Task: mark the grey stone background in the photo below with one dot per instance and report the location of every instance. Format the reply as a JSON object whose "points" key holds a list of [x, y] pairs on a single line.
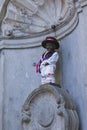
{"points": [[18, 78], [74, 63]]}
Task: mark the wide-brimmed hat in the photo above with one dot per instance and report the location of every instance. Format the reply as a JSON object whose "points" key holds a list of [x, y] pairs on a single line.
{"points": [[51, 40]]}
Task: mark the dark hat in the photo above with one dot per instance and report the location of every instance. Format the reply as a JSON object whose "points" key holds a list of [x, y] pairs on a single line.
{"points": [[51, 40]]}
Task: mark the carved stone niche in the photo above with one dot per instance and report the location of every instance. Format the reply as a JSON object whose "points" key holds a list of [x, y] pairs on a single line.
{"points": [[49, 107], [35, 17], [27, 22]]}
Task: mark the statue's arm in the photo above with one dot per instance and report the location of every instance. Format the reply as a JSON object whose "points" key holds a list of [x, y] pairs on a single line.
{"points": [[53, 59]]}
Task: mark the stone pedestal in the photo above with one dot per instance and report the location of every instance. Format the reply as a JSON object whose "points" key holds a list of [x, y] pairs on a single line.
{"points": [[49, 107]]}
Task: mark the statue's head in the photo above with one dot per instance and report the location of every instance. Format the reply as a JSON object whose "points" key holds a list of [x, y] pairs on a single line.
{"points": [[50, 42]]}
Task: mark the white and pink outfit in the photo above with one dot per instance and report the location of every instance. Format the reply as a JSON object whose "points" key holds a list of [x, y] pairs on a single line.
{"points": [[47, 70]]}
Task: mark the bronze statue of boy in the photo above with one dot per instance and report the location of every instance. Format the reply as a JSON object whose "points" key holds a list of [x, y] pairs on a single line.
{"points": [[47, 64]]}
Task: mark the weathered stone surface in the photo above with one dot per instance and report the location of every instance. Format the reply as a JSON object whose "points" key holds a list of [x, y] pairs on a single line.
{"points": [[74, 51], [17, 73], [49, 107], [1, 88], [28, 20]]}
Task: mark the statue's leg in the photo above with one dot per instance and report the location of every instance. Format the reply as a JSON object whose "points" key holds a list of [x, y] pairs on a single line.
{"points": [[48, 79]]}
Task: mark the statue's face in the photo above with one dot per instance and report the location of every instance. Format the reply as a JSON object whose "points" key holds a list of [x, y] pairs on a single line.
{"points": [[50, 46]]}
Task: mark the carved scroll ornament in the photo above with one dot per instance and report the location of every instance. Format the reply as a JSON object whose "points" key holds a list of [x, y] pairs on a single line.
{"points": [[33, 20], [49, 107], [33, 17]]}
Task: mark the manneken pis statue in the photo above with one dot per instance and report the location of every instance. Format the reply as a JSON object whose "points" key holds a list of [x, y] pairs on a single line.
{"points": [[47, 64]]}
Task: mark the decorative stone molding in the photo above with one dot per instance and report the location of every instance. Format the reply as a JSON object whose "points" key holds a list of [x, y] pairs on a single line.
{"points": [[33, 20], [49, 107]]}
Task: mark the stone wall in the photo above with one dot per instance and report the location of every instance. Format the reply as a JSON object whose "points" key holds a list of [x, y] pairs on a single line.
{"points": [[18, 78], [74, 63]]}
